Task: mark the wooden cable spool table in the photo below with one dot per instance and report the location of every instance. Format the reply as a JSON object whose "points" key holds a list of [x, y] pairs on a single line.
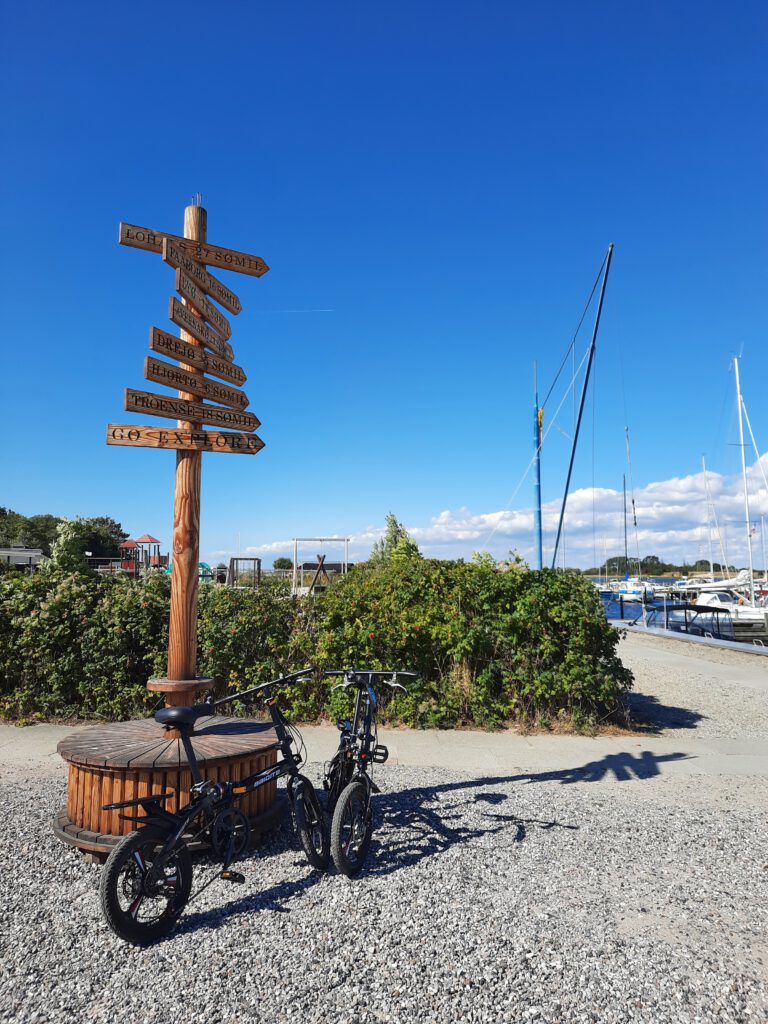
{"points": [[128, 760]]}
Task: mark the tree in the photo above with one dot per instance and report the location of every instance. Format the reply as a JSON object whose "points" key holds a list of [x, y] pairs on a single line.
{"points": [[41, 531], [68, 551], [395, 543], [105, 538], [282, 563]]}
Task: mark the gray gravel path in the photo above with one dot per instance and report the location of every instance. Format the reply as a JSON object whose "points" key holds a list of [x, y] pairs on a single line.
{"points": [[681, 687], [486, 899], [565, 893]]}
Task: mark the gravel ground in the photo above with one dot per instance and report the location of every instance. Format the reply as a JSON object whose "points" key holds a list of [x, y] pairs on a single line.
{"points": [[485, 899], [702, 693]]}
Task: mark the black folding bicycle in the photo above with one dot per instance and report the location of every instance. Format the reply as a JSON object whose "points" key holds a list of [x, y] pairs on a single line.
{"points": [[348, 780], [147, 879]]}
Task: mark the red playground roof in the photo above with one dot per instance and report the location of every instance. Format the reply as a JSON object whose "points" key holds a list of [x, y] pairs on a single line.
{"points": [[148, 539], [128, 544]]}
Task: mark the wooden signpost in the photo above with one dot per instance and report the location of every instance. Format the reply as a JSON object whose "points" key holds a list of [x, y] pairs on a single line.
{"points": [[203, 327]]}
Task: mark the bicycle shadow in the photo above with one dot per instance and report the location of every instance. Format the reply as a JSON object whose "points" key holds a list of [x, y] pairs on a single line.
{"points": [[426, 821], [273, 898]]}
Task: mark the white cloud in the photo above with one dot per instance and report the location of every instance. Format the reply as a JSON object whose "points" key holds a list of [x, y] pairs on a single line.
{"points": [[671, 523]]}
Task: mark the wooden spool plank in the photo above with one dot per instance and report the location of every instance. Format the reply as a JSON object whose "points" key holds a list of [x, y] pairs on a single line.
{"points": [[106, 796], [71, 792]]}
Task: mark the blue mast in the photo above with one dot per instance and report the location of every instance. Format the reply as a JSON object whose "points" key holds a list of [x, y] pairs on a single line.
{"points": [[537, 419]]}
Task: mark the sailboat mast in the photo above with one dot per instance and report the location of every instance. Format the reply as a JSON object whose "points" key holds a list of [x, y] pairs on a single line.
{"points": [[537, 421], [744, 478], [709, 518], [626, 554], [583, 398]]}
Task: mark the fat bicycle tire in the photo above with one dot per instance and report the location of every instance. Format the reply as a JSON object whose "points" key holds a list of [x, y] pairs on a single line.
{"points": [[352, 828], [122, 878], [311, 827], [339, 777]]}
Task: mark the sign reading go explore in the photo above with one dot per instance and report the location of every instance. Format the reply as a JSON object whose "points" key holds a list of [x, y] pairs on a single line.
{"points": [[202, 348]]}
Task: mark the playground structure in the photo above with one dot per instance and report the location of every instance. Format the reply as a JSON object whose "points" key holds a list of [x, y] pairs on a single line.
{"points": [[244, 572], [318, 569], [137, 557]]}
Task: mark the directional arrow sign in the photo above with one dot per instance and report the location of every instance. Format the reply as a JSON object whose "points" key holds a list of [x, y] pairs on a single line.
{"points": [[176, 348], [187, 288], [203, 252], [183, 317], [178, 259], [183, 440], [166, 373], [196, 412]]}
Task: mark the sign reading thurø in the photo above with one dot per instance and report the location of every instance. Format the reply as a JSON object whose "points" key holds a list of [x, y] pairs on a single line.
{"points": [[176, 348], [166, 373], [149, 403], [203, 252], [183, 440], [187, 288]]}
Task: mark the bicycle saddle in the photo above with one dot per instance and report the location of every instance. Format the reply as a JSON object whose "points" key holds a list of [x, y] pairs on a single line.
{"points": [[174, 717]]}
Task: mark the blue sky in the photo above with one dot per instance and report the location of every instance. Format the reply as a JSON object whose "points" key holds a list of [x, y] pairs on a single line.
{"points": [[434, 187]]}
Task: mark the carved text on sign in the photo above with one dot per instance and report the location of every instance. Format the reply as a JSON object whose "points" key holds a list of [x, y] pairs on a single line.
{"points": [[183, 440], [178, 259], [182, 409], [203, 252], [183, 317], [166, 373], [176, 348], [187, 288]]}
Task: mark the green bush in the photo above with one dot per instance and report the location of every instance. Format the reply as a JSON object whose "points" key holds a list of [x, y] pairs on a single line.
{"points": [[489, 646]]}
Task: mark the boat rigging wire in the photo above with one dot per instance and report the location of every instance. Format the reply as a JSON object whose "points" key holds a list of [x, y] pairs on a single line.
{"points": [[575, 373], [528, 468], [575, 334]]}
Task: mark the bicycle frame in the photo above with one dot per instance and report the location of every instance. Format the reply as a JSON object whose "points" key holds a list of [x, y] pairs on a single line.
{"points": [[219, 795]]}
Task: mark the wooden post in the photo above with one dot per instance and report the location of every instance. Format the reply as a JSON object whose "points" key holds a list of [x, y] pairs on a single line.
{"points": [[182, 637]]}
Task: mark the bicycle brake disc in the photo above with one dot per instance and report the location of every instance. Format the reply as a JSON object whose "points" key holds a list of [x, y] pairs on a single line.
{"points": [[230, 825]]}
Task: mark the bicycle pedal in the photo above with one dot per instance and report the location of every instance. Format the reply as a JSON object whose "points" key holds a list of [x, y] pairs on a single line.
{"points": [[232, 876]]}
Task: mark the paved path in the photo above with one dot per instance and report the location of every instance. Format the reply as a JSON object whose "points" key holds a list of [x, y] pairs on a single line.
{"points": [[717, 725]]}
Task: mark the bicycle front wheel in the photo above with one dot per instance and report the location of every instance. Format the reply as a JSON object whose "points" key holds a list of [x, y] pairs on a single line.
{"points": [[310, 824], [138, 906], [352, 828]]}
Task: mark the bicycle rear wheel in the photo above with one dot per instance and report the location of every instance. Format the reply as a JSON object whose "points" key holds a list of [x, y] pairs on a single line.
{"points": [[352, 828], [138, 907]]}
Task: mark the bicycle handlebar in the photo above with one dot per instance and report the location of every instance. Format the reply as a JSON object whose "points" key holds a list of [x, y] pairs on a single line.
{"points": [[265, 686], [357, 677]]}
